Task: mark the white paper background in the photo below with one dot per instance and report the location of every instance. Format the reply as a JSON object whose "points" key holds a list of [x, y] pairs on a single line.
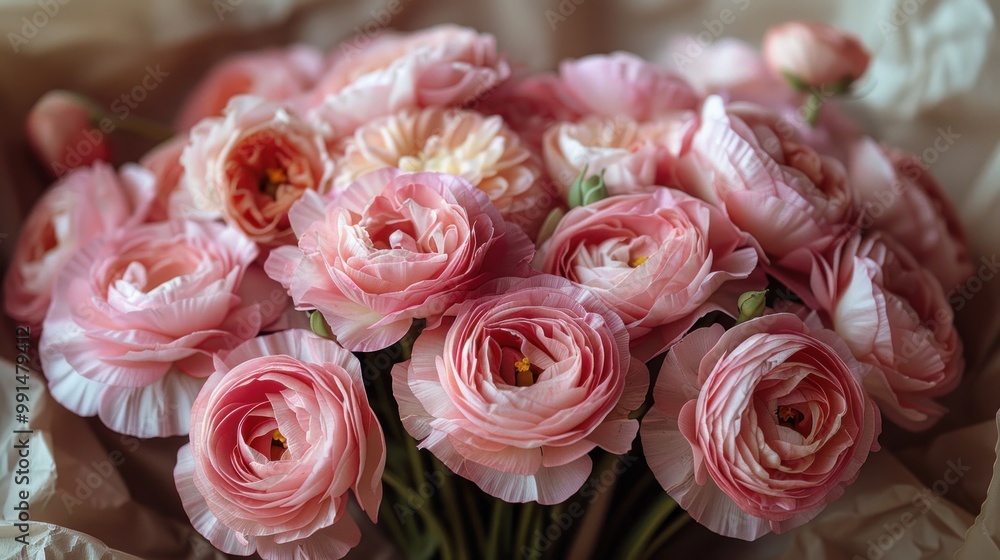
{"points": [[935, 66]]}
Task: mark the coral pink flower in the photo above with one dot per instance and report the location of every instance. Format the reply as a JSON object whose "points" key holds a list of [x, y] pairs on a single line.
{"points": [[60, 131], [281, 435], [758, 428], [894, 316], [87, 203], [660, 260], [480, 149], [164, 161], [622, 84], [442, 66], [814, 54], [771, 185], [137, 315], [516, 389], [249, 166], [901, 198], [272, 74], [392, 248]]}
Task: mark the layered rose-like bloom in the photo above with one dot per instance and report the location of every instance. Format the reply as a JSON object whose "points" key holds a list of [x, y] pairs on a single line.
{"points": [[901, 198], [894, 316], [137, 315], [660, 260], [622, 84], [743, 159], [633, 156], [281, 435], [442, 66], [172, 198], [515, 389], [758, 428], [272, 74], [392, 248], [249, 166], [60, 131], [87, 203], [814, 54], [480, 149]]}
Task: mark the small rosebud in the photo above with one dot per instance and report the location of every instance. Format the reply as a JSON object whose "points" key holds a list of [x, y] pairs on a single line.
{"points": [[751, 305], [318, 325], [587, 190], [811, 55], [61, 132]]}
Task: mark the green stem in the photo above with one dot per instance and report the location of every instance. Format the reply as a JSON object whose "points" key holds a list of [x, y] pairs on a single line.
{"points": [[432, 523], [528, 512], [472, 510], [387, 516], [814, 102], [663, 537], [493, 540], [451, 509], [635, 544]]}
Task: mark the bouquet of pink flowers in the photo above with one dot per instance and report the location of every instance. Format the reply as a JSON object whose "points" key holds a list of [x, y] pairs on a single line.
{"points": [[348, 278]]}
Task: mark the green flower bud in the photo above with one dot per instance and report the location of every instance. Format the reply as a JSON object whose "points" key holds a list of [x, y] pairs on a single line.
{"points": [[318, 325], [751, 305], [587, 190]]}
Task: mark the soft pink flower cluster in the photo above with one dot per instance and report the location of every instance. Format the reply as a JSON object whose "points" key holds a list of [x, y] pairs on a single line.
{"points": [[550, 234]]}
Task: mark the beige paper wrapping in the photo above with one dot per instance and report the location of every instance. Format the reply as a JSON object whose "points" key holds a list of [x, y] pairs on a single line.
{"points": [[934, 68]]}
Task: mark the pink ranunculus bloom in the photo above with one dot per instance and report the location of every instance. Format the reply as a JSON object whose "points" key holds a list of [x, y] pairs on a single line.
{"points": [[758, 428], [281, 435], [478, 148], [272, 74], [84, 205], [530, 105], [901, 198], [746, 160], [60, 131], [249, 166], [815, 54], [622, 84], [894, 316], [660, 260], [394, 247], [515, 389], [634, 156], [442, 66], [137, 315], [164, 161]]}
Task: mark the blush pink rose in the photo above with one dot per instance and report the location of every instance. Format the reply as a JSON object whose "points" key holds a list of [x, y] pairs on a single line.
{"points": [[901, 198], [660, 260], [137, 315], [392, 248], [281, 435], [622, 84], [84, 205], [634, 156], [516, 389], [249, 166], [758, 428], [272, 74], [770, 184], [894, 316], [60, 131], [814, 54], [478, 148], [441, 66]]}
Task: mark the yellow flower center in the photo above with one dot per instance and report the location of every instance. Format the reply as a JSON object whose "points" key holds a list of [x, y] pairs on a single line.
{"points": [[278, 445], [788, 416], [274, 178], [637, 261], [522, 369]]}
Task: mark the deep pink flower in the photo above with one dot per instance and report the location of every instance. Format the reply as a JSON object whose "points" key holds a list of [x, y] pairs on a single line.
{"points": [[394, 247], [516, 389], [758, 428], [281, 434]]}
